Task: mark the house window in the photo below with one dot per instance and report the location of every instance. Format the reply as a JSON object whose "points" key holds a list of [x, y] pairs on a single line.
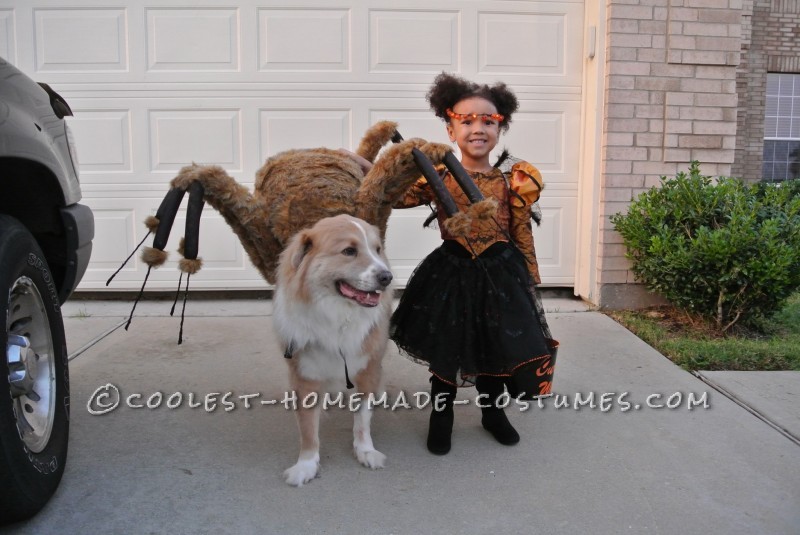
{"points": [[782, 128]]}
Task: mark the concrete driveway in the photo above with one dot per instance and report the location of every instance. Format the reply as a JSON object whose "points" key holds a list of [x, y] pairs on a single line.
{"points": [[687, 460]]}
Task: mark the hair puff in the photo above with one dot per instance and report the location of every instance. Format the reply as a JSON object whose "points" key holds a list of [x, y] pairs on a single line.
{"points": [[448, 90]]}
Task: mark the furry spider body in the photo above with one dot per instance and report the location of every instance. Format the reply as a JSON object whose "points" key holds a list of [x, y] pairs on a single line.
{"points": [[297, 188]]}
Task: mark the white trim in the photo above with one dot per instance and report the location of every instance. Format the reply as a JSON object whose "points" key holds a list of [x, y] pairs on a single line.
{"points": [[592, 110]]}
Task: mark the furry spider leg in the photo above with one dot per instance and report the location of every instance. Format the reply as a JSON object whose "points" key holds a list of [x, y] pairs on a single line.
{"points": [[480, 208], [161, 225], [292, 190], [457, 223], [475, 196]]}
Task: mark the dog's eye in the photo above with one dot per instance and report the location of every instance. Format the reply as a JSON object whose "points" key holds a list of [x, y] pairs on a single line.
{"points": [[378, 249], [349, 251]]}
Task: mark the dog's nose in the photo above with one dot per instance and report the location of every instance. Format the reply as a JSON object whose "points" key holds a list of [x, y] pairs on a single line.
{"points": [[385, 277]]}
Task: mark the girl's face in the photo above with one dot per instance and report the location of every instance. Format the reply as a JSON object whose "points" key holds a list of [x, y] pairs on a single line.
{"points": [[475, 127]]}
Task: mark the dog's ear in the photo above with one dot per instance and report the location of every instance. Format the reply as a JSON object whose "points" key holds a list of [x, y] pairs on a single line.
{"points": [[302, 246]]}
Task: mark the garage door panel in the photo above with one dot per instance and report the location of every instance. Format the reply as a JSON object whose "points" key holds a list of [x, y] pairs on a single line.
{"points": [[409, 40], [81, 40], [212, 32], [555, 238], [295, 128], [503, 34], [8, 47], [539, 138], [218, 247], [304, 39], [105, 142], [180, 136], [407, 242], [541, 44], [114, 236], [150, 140], [545, 133]]}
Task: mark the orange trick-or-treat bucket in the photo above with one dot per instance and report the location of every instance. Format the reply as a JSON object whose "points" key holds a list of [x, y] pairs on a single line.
{"points": [[535, 379]]}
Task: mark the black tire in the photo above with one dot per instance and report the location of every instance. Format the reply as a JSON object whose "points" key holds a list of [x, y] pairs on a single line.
{"points": [[34, 380]]}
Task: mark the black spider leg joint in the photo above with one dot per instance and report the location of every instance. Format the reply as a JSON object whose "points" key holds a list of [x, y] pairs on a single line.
{"points": [[437, 184], [155, 256], [443, 196], [450, 161], [463, 179]]}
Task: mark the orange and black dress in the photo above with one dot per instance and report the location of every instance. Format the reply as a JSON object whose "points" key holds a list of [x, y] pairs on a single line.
{"points": [[468, 309]]}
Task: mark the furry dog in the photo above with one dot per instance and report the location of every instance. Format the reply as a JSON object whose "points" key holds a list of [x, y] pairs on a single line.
{"points": [[332, 305]]}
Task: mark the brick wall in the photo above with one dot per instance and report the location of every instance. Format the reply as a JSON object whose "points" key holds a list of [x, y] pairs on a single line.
{"points": [[771, 44], [671, 97]]}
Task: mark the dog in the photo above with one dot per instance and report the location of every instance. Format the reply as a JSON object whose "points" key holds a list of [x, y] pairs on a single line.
{"points": [[332, 305]]}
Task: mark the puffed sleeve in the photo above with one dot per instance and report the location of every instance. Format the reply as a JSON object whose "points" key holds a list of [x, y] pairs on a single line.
{"points": [[526, 184]]}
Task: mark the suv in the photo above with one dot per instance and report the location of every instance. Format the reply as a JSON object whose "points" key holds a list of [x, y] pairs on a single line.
{"points": [[45, 244]]}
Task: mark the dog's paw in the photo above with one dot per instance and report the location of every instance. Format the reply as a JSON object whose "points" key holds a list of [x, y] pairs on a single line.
{"points": [[302, 472], [370, 458]]}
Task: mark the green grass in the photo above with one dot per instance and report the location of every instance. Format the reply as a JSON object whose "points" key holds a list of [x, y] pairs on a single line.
{"points": [[693, 346]]}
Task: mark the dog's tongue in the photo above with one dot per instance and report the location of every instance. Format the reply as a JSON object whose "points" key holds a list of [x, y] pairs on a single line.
{"points": [[365, 299]]}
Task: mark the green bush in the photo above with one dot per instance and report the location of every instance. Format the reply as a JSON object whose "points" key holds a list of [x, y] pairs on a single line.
{"points": [[721, 249]]}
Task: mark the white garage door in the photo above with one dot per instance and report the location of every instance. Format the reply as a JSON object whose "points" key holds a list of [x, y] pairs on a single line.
{"points": [[155, 86]]}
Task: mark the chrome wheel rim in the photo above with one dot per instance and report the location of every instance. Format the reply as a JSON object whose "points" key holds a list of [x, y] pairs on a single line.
{"points": [[31, 364]]}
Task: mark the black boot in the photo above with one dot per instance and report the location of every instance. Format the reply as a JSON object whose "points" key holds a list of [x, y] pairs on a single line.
{"points": [[441, 423], [494, 418]]}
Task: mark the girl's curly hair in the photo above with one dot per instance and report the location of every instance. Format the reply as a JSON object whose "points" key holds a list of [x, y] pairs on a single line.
{"points": [[448, 90]]}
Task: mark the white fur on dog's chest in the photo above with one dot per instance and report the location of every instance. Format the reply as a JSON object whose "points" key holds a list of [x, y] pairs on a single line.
{"points": [[319, 364], [326, 335]]}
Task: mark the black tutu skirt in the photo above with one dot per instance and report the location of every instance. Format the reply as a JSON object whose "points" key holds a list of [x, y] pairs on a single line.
{"points": [[464, 317]]}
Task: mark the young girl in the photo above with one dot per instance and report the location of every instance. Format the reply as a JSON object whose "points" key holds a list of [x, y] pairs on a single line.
{"points": [[469, 311]]}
